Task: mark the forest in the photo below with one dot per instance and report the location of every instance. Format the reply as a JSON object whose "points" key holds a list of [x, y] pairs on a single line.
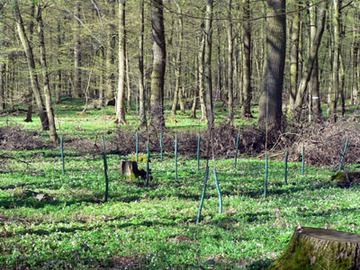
{"points": [[173, 134]]}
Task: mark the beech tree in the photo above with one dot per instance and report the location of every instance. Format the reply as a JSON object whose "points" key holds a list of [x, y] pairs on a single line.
{"points": [[159, 65], [270, 106]]}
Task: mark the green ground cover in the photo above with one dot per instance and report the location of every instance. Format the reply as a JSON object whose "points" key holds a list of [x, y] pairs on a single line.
{"points": [[155, 227]]}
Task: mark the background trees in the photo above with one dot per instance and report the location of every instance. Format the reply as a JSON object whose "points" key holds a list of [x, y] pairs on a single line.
{"points": [[81, 38]]}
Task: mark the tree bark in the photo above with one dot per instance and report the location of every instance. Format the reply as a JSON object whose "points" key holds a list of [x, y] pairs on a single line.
{"points": [[247, 87], [320, 249], [77, 54], [335, 89], [230, 65], [31, 65], [178, 68], [201, 77], [29, 95], [159, 66], [120, 101], [294, 54], [143, 121], [314, 84], [207, 64], [46, 81], [270, 105]]}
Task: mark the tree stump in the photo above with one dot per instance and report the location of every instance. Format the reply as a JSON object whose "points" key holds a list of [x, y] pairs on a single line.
{"points": [[315, 249], [130, 169]]}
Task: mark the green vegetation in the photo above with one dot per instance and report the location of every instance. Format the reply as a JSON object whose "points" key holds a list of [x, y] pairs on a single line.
{"points": [[155, 227]]}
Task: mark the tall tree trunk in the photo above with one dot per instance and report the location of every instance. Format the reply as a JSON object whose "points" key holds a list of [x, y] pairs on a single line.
{"points": [[143, 121], [314, 84], [335, 89], [120, 101], [196, 91], [202, 77], [230, 65], [247, 87], [219, 75], [159, 66], [270, 105], [110, 58], [29, 95], [31, 65], [45, 73], [77, 54], [294, 54], [178, 68], [58, 85], [128, 84], [2, 65], [207, 64]]}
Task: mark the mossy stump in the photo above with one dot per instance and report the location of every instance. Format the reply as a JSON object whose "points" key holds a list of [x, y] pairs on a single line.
{"points": [[346, 179], [320, 249]]}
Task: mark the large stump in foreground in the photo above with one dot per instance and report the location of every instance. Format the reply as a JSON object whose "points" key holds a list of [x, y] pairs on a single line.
{"points": [[320, 249]]}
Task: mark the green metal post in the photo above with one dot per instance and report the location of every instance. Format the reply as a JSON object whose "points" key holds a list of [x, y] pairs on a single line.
{"points": [[161, 146], [343, 155], [266, 176], [219, 192], [203, 194], [303, 161], [147, 165], [137, 147], [198, 153], [176, 157], [105, 170], [62, 154], [236, 150], [286, 167]]}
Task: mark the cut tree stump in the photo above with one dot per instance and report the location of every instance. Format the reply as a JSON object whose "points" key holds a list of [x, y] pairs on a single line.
{"points": [[320, 249]]}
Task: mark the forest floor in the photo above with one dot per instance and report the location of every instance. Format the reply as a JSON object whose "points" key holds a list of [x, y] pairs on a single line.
{"points": [[51, 220]]}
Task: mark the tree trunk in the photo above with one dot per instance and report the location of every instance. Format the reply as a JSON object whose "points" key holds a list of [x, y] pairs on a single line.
{"points": [[335, 89], [201, 77], [247, 87], [110, 59], [29, 95], [120, 101], [31, 65], [320, 249], [207, 64], [270, 105], [314, 84], [47, 93], [77, 55], [143, 121], [294, 54], [230, 65], [2, 66], [159, 66], [178, 68], [128, 84], [58, 88]]}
